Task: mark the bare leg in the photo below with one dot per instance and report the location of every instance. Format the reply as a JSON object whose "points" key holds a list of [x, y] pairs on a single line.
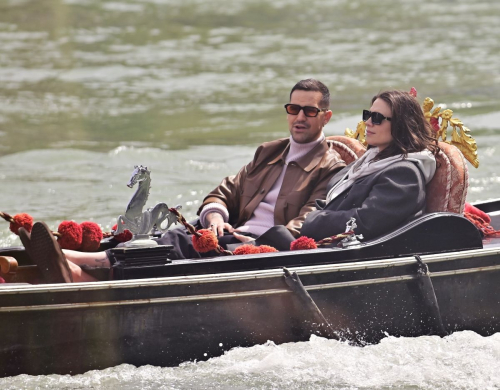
{"points": [[80, 275], [92, 259]]}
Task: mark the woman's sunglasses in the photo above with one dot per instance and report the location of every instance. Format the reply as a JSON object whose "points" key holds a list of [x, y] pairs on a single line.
{"points": [[377, 117], [294, 109]]}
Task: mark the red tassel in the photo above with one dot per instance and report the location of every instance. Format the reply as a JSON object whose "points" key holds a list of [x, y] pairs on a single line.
{"points": [[246, 249], [21, 220], [482, 225], [126, 235], [267, 249], [474, 210], [206, 242], [91, 236], [303, 243], [71, 235]]}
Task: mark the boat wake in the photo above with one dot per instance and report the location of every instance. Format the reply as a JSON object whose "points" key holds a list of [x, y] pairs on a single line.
{"points": [[463, 360]]}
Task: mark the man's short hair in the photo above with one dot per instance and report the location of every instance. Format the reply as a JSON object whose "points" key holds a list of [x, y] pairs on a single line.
{"points": [[314, 85]]}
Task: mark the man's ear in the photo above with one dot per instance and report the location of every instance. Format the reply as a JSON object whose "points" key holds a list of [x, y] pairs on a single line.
{"points": [[327, 117]]}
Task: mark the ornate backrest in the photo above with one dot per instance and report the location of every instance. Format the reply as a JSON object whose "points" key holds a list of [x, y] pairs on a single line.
{"points": [[350, 149], [448, 188]]}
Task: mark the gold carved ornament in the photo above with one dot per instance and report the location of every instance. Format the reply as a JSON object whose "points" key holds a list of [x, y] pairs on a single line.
{"points": [[359, 134], [460, 136]]}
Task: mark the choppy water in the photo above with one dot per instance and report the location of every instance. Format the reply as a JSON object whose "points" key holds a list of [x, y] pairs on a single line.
{"points": [[89, 88], [463, 360]]}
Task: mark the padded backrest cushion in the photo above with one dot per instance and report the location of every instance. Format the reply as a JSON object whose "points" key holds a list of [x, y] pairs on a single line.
{"points": [[350, 149], [448, 188]]}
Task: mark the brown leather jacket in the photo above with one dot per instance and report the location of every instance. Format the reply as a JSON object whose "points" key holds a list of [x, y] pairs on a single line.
{"points": [[305, 181]]}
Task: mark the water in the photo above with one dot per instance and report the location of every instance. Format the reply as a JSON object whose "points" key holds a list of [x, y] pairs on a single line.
{"points": [[463, 360], [89, 88], [95, 74]]}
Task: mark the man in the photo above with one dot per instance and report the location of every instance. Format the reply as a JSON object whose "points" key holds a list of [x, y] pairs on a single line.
{"points": [[278, 187]]}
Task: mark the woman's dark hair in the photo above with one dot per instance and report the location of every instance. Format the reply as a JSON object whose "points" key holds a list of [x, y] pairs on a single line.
{"points": [[410, 131]]}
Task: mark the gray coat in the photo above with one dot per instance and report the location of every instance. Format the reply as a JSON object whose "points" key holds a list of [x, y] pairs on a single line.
{"points": [[380, 202]]}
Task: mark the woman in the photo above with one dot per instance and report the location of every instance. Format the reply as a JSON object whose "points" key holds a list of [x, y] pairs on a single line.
{"points": [[386, 186]]}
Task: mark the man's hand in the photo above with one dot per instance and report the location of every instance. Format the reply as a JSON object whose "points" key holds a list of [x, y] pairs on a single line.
{"points": [[217, 225]]}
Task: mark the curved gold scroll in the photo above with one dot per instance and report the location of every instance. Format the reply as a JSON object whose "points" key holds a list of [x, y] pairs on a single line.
{"points": [[460, 136], [359, 134]]}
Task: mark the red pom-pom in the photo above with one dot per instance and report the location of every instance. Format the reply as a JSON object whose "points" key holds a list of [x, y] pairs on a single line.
{"points": [[207, 242], [246, 249], [21, 220], [91, 236], [435, 124], [267, 249], [2, 280], [474, 210], [126, 235], [413, 92], [303, 243], [71, 235]]}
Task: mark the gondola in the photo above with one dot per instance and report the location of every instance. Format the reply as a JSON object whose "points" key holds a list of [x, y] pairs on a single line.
{"points": [[434, 275]]}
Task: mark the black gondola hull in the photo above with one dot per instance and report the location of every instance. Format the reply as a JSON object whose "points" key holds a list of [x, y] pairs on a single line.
{"points": [[195, 313]]}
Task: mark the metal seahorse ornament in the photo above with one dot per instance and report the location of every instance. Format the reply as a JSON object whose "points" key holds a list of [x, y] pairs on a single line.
{"points": [[142, 223]]}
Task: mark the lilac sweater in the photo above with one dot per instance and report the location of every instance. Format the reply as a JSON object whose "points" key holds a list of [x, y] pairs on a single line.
{"points": [[263, 217]]}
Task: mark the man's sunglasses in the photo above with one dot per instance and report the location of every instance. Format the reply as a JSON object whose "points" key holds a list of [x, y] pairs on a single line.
{"points": [[294, 109], [377, 117]]}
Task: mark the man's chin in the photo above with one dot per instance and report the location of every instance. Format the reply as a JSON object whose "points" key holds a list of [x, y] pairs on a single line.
{"points": [[301, 138]]}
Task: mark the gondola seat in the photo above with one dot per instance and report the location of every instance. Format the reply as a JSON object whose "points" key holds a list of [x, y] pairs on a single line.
{"points": [[350, 149], [11, 273], [8, 268], [448, 188]]}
